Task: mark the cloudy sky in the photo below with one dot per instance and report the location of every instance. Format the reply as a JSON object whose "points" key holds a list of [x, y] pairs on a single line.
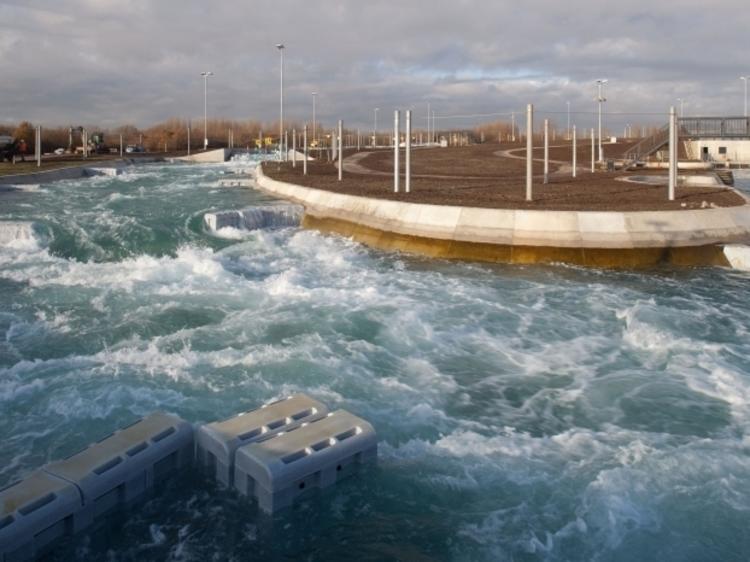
{"points": [[110, 62]]}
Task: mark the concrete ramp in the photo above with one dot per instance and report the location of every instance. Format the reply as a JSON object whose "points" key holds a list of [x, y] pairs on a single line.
{"points": [[208, 157]]}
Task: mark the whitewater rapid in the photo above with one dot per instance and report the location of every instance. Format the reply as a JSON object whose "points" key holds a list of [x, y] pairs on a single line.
{"points": [[525, 413]]}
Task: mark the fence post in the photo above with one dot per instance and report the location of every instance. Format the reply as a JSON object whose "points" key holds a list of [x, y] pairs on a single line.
{"points": [[395, 150], [672, 152], [294, 148], [341, 149], [304, 162], [407, 183], [529, 150], [575, 152], [38, 146], [546, 151]]}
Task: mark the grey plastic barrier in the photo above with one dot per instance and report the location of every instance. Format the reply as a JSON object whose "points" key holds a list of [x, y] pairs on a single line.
{"points": [[218, 441], [34, 513], [123, 467], [278, 468]]}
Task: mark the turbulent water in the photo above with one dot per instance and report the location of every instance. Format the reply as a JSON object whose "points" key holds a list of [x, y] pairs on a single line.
{"points": [[524, 413]]}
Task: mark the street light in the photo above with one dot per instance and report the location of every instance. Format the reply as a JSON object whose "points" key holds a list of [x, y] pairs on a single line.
{"points": [[280, 47], [314, 95], [682, 106], [205, 107], [601, 99], [375, 129], [745, 79]]}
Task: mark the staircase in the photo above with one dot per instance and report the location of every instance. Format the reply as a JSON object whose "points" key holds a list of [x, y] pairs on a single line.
{"points": [[646, 147]]}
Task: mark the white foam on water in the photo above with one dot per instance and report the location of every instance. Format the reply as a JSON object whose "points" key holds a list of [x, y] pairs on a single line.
{"points": [[253, 218], [22, 235]]}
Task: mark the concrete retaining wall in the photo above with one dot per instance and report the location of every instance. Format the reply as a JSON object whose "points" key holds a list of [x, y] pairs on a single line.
{"points": [[568, 229], [588, 237], [94, 168]]}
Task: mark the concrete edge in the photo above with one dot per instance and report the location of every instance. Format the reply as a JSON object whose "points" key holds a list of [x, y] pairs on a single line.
{"points": [[508, 227]]}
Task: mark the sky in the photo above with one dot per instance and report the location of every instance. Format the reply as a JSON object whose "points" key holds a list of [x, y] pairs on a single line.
{"points": [[107, 62]]}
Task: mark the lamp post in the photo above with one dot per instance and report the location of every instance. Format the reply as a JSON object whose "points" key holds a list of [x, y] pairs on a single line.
{"points": [[314, 95], [205, 107], [280, 47], [375, 129], [682, 106], [745, 79], [601, 99], [568, 104]]}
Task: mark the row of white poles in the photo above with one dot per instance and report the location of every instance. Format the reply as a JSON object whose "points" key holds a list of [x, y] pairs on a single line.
{"points": [[673, 156], [337, 144]]}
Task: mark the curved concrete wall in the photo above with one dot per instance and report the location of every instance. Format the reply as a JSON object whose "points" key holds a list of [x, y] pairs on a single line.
{"points": [[524, 228]]}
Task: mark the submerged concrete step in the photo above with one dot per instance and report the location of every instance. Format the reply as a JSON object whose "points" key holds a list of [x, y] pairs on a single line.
{"points": [[217, 442], [279, 468]]}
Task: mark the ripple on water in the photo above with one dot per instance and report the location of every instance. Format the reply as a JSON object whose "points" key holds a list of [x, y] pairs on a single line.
{"points": [[525, 413]]}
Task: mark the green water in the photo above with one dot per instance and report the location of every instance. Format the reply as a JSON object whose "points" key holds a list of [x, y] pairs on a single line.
{"points": [[524, 413]]}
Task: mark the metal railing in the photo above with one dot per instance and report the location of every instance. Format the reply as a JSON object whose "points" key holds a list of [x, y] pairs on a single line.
{"points": [[715, 127], [649, 145]]}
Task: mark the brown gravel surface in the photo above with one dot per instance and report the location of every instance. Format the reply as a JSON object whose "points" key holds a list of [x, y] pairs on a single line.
{"points": [[504, 186]]}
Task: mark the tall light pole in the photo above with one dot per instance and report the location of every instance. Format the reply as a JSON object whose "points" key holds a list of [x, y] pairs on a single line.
{"points": [[280, 47], [568, 104], [375, 129], [205, 107], [682, 107], [745, 79], [601, 99], [314, 95]]}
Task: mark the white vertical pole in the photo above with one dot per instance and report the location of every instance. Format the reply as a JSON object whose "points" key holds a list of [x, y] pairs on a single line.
{"points": [[593, 152], [304, 162], [513, 126], [395, 150], [429, 116], [286, 146], [121, 143], [38, 146], [529, 150], [294, 148], [407, 184], [575, 152], [205, 110], [568, 104], [359, 141], [188, 139], [280, 47], [672, 152], [341, 151], [313, 124], [546, 151]]}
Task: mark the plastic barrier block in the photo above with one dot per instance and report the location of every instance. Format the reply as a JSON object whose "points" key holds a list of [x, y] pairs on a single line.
{"points": [[34, 513], [124, 466], [218, 441], [277, 469]]}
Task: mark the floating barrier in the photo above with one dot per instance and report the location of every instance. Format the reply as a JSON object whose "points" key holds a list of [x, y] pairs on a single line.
{"points": [[217, 442], [273, 454], [68, 496], [281, 467], [35, 513]]}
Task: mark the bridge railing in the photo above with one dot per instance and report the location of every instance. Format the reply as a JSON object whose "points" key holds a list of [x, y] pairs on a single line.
{"points": [[715, 127]]}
